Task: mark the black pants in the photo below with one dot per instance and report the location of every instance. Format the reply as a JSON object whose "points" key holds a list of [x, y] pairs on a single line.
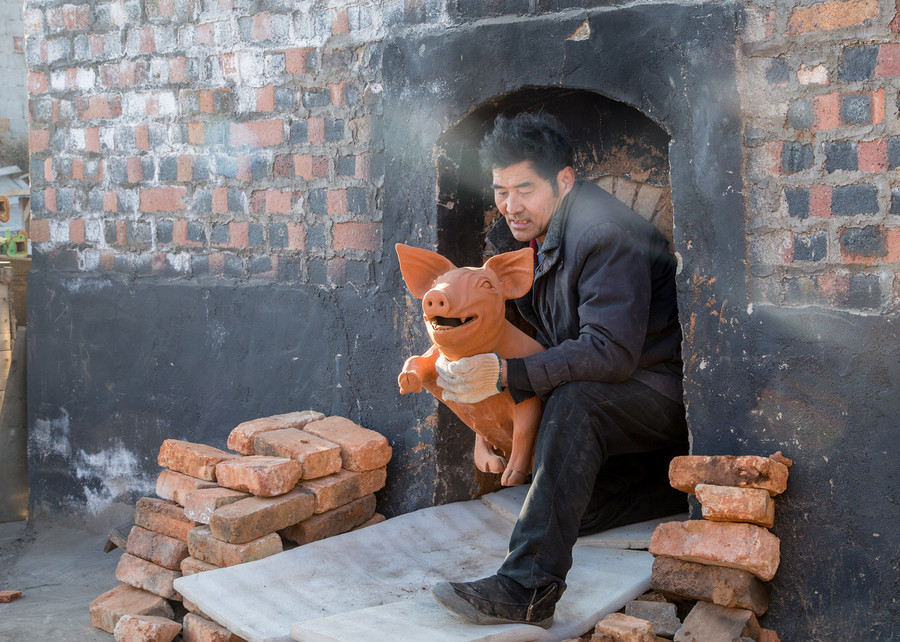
{"points": [[601, 461]]}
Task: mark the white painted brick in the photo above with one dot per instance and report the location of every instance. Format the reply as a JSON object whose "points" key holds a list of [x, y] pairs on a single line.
{"points": [[89, 260], [59, 231], [77, 138], [86, 78], [93, 232]]}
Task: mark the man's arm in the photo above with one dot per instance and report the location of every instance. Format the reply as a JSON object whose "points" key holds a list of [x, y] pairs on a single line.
{"points": [[613, 299]]}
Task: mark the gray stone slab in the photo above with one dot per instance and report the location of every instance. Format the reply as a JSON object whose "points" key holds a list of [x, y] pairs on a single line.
{"points": [[600, 582]]}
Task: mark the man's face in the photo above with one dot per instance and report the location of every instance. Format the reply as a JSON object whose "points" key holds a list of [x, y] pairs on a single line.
{"points": [[526, 200]]}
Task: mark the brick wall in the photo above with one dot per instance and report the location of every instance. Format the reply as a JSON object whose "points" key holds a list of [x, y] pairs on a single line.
{"points": [[820, 86], [208, 139]]}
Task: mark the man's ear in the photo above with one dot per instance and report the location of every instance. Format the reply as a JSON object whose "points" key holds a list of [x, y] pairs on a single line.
{"points": [[565, 178], [515, 270], [420, 268]]}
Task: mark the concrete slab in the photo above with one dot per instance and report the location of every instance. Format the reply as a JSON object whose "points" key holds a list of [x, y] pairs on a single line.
{"points": [[60, 571], [383, 574]]}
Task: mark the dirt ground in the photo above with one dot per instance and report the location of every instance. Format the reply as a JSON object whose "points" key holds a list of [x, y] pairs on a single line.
{"points": [[60, 570]]}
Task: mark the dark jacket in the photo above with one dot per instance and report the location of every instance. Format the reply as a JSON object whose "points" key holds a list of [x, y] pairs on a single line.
{"points": [[603, 300]]}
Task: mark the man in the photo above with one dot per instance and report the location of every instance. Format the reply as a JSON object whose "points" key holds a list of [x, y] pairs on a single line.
{"points": [[604, 305]]}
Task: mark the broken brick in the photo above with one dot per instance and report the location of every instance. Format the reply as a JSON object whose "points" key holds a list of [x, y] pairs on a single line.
{"points": [[147, 576], [713, 622], [319, 457], [241, 438], [200, 629], [377, 518], [720, 585], [161, 516], [176, 486], [200, 504], [618, 627], [732, 504], [661, 615], [254, 517], [361, 448], [146, 628], [157, 548], [334, 522], [748, 471], [108, 608], [192, 566], [205, 547], [193, 608], [9, 596], [744, 546], [344, 487], [195, 460], [262, 476]]}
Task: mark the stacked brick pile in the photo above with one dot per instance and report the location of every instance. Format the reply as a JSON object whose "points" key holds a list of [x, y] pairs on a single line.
{"points": [[292, 479], [722, 562]]}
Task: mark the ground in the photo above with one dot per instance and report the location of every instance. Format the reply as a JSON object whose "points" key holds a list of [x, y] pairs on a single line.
{"points": [[60, 570]]}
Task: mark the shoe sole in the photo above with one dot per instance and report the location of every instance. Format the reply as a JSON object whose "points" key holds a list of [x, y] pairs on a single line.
{"points": [[450, 600]]}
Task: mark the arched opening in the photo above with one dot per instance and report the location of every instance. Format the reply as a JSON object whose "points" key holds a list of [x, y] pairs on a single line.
{"points": [[616, 146]]}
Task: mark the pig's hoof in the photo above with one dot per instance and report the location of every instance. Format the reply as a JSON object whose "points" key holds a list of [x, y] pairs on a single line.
{"points": [[409, 382], [512, 478]]}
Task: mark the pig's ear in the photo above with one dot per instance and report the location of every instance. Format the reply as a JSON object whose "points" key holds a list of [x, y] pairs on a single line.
{"points": [[515, 271], [420, 268]]}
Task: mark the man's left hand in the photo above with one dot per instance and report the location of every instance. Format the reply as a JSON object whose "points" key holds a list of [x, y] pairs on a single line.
{"points": [[470, 379]]}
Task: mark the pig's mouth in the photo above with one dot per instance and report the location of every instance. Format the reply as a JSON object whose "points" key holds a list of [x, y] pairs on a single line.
{"points": [[448, 323]]}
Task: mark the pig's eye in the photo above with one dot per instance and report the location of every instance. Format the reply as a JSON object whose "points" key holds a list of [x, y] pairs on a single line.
{"points": [[487, 285]]}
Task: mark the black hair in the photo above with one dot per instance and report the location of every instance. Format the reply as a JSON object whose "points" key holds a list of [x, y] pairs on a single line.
{"points": [[538, 138]]}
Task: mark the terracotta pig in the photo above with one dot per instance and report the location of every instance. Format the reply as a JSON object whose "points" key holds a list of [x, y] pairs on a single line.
{"points": [[464, 310]]}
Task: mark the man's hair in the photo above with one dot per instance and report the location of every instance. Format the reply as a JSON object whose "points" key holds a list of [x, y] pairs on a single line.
{"points": [[538, 138]]}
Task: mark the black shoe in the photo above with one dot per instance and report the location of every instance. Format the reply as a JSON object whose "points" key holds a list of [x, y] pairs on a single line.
{"points": [[498, 600]]}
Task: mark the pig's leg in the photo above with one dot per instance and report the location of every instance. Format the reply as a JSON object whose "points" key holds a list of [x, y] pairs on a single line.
{"points": [[526, 422], [416, 370], [486, 460]]}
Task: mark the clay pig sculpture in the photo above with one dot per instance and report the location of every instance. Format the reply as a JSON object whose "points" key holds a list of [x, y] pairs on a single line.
{"points": [[465, 314]]}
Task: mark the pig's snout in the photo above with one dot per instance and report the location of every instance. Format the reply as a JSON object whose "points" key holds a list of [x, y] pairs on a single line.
{"points": [[435, 303]]}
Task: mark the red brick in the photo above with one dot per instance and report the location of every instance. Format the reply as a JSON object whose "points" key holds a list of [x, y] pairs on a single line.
{"points": [[146, 628], [241, 438], [100, 106], [39, 231], [344, 487], [888, 64], [260, 133], [7, 596], [262, 476], [200, 504], [713, 622], [618, 627], [747, 471], [262, 26], [278, 201], [162, 199], [37, 82], [827, 111], [377, 518], [318, 456], [340, 23], [200, 629], [877, 106], [157, 548], [50, 199], [337, 201], [92, 139], [873, 156], [265, 98], [192, 566], [176, 486], [238, 234], [178, 69], [334, 522], [295, 60], [134, 170], [110, 201], [832, 15], [147, 576], [743, 546], [179, 232], [196, 133], [893, 247], [78, 169], [196, 460], [315, 130], [296, 236], [255, 517], [730, 587], [108, 609], [357, 236], [185, 168], [361, 448], [38, 140], [731, 504], [147, 38], [337, 93], [820, 201], [207, 548]]}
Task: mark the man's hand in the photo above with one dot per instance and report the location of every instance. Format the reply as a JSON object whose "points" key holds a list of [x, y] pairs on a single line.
{"points": [[470, 379]]}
